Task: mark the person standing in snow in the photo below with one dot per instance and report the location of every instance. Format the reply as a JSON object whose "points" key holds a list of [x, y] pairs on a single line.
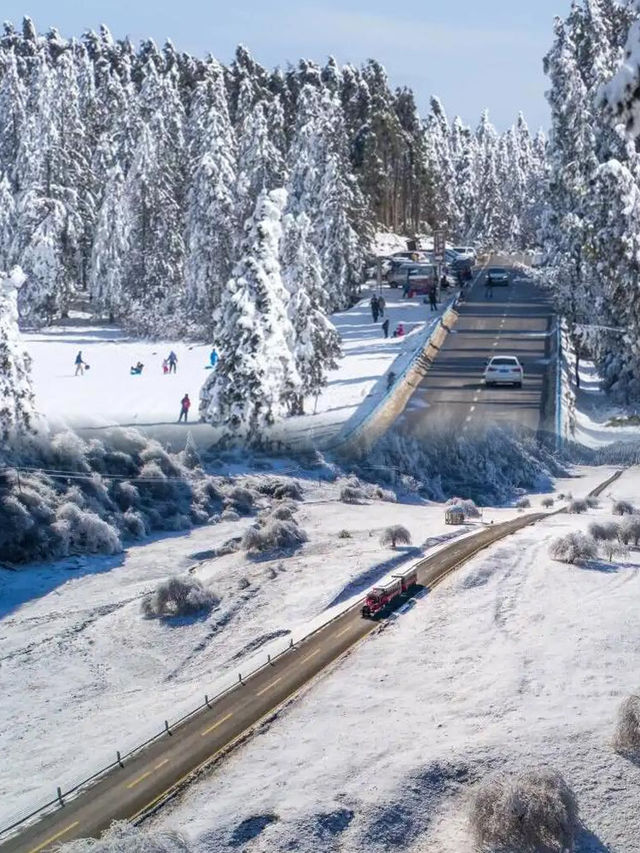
{"points": [[433, 298], [374, 308], [385, 328], [173, 362], [382, 304], [79, 364], [185, 405], [213, 358]]}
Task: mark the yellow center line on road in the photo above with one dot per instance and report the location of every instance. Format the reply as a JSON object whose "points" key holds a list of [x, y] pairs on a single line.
{"points": [[216, 724], [312, 655], [269, 686], [54, 837], [161, 763], [344, 631], [139, 779]]}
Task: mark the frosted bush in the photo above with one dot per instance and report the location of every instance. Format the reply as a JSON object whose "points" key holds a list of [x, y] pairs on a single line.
{"points": [[134, 524], [240, 499], [380, 494], [395, 534], [229, 515], [615, 549], [547, 502], [290, 490], [523, 503], [123, 837], [573, 548], [603, 531], [179, 596], [82, 531], [276, 535], [344, 534], [577, 507], [626, 739], [532, 811], [352, 495], [630, 530], [282, 513], [68, 450], [128, 441], [623, 508], [155, 453], [126, 495], [592, 502]]}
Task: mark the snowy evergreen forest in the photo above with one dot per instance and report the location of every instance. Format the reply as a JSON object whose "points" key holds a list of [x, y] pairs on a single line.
{"points": [[179, 197], [592, 226]]}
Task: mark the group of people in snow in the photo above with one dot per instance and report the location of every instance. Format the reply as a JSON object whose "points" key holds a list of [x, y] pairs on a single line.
{"points": [[378, 305], [169, 365]]}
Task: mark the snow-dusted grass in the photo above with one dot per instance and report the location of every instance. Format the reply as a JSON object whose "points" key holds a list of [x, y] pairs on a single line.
{"points": [[515, 662]]}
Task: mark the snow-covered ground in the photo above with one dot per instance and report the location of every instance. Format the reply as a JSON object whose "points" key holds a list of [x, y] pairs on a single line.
{"points": [[588, 411], [79, 663], [107, 394], [515, 661]]}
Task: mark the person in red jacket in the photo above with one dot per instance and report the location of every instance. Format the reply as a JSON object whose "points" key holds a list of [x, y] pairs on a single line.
{"points": [[185, 403]]}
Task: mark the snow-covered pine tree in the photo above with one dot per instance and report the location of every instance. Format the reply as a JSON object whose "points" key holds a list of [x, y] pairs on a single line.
{"points": [[110, 247], [255, 379], [17, 412], [7, 222], [210, 224], [316, 343], [443, 207]]}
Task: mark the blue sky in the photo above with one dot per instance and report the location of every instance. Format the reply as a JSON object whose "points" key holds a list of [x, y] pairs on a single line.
{"points": [[472, 53]]}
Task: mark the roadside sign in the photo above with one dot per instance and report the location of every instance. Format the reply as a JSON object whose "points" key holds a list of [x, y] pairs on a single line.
{"points": [[439, 242]]}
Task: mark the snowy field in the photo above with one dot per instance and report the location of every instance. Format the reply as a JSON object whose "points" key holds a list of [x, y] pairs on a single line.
{"points": [[516, 661], [594, 413], [108, 395], [80, 664]]}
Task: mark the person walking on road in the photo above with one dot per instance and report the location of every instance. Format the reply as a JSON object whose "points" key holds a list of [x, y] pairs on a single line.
{"points": [[385, 328], [382, 304], [79, 364], [433, 298], [173, 362], [375, 309], [185, 405], [488, 287]]}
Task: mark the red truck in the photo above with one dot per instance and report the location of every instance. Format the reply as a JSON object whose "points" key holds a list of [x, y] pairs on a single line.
{"points": [[381, 598]]}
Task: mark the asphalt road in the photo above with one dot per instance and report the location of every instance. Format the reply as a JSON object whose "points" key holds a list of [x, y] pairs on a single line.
{"points": [[147, 778], [516, 321]]}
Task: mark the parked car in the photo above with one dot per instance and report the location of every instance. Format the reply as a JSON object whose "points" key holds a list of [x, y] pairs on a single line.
{"points": [[498, 276], [504, 370], [467, 252], [421, 278], [457, 262]]}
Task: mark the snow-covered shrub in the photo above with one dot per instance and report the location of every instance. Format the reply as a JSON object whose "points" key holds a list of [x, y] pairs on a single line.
{"points": [[276, 535], [611, 549], [468, 506], [290, 490], [532, 811], [179, 596], [190, 457], [82, 531], [577, 506], [229, 515], [239, 499], [126, 495], [630, 529], [380, 494], [344, 534], [592, 502], [395, 534], [626, 739], [523, 503], [67, 451], [352, 495], [623, 508], [547, 502], [573, 548], [123, 837], [134, 524], [602, 531], [282, 513]]}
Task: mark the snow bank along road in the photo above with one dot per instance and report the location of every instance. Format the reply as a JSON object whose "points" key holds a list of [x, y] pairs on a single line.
{"points": [[516, 321], [148, 778]]}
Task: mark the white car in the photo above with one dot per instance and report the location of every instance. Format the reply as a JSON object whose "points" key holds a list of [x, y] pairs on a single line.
{"points": [[466, 252], [504, 370]]}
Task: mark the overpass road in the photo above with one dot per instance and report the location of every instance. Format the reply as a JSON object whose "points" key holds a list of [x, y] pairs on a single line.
{"points": [[518, 320]]}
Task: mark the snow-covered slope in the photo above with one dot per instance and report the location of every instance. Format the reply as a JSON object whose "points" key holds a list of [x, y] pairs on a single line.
{"points": [[515, 661]]}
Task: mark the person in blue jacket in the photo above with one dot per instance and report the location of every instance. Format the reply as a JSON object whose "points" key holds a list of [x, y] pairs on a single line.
{"points": [[213, 358]]}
